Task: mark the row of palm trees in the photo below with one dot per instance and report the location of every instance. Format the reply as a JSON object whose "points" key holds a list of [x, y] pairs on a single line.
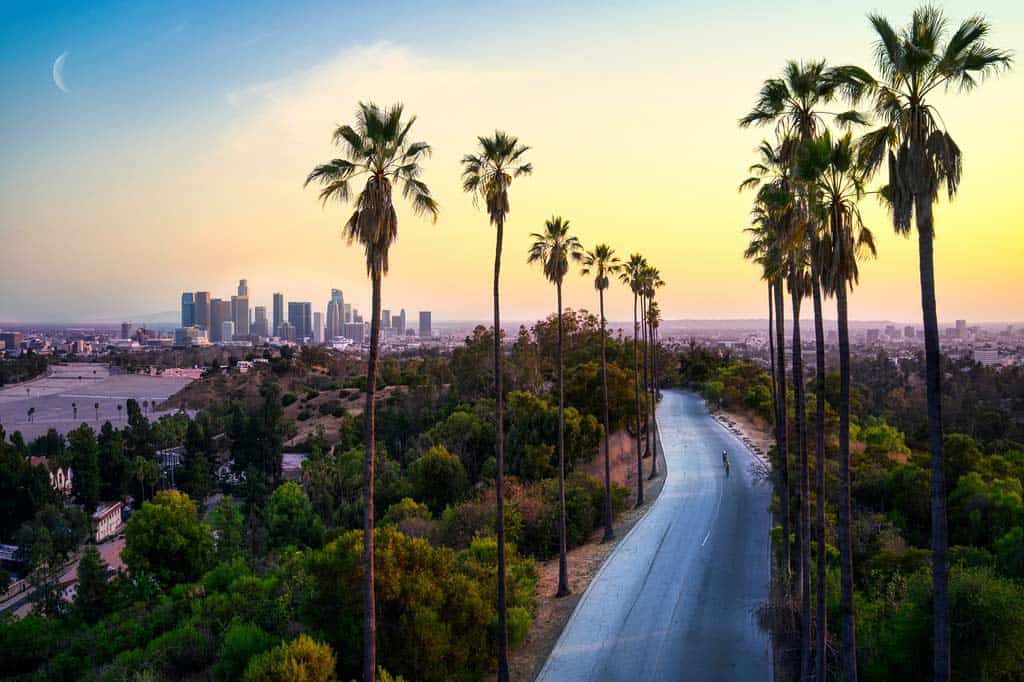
{"points": [[377, 151], [807, 235]]}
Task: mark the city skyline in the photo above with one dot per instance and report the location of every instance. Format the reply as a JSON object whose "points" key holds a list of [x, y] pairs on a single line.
{"points": [[271, 110]]}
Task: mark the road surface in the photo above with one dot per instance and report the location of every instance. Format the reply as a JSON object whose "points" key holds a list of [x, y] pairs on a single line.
{"points": [[677, 598]]}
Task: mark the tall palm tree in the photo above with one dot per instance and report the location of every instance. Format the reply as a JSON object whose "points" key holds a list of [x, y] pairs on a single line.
{"points": [[631, 275], [651, 282], [378, 148], [553, 249], [653, 321], [487, 175], [830, 167], [915, 63], [74, 410], [793, 103], [96, 406], [602, 263], [772, 218]]}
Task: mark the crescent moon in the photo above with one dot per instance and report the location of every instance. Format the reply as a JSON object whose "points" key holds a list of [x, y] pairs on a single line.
{"points": [[58, 72]]}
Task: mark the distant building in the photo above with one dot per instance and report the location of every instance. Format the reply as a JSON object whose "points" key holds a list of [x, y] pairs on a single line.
{"points": [[188, 309], [385, 319], [961, 329], [334, 321], [346, 310], [185, 337], [227, 330], [278, 317], [12, 340], [126, 330], [107, 520], [986, 356], [220, 312], [60, 478], [424, 329], [873, 336], [201, 310], [240, 313], [300, 316], [286, 331], [909, 332], [338, 297], [318, 328], [243, 287], [354, 331], [399, 323], [260, 325]]}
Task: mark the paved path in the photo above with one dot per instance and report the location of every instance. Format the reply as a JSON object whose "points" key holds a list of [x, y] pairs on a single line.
{"points": [[676, 600]]}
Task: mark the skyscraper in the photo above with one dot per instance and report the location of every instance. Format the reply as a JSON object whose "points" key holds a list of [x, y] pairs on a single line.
{"points": [[425, 331], [227, 330], [334, 321], [318, 328], [202, 310], [188, 309], [346, 308], [338, 297], [278, 313], [260, 327], [126, 330], [400, 322], [300, 316], [240, 313], [220, 312], [961, 329], [243, 287], [385, 319]]}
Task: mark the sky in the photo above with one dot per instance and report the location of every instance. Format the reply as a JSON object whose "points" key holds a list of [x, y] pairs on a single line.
{"points": [[175, 161]]}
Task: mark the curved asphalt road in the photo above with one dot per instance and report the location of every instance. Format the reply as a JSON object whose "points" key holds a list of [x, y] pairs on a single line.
{"points": [[676, 600]]}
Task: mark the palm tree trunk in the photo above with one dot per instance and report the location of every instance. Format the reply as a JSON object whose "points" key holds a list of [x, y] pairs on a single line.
{"points": [[563, 558], [653, 353], [499, 453], [771, 356], [782, 433], [609, 532], [820, 622], [636, 391], [646, 383], [369, 598], [847, 625], [803, 577], [933, 383]]}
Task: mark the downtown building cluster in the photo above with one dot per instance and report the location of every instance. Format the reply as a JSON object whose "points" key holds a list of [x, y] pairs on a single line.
{"points": [[207, 320]]}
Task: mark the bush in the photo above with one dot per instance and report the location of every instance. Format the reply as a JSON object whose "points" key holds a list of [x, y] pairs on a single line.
{"points": [[287, 399], [300, 660], [438, 478]]}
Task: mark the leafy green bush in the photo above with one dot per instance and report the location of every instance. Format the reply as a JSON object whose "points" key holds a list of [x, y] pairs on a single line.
{"points": [[288, 398]]}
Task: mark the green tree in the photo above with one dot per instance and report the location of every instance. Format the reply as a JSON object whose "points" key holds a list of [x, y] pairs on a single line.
{"points": [[242, 642], [915, 63], [83, 456], [487, 174], [301, 660], [166, 539], [228, 527], [92, 600], [291, 519], [438, 478], [377, 147]]}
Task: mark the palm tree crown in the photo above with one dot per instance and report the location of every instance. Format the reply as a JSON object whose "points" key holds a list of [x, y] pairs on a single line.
{"points": [[488, 173], [915, 62], [553, 248], [378, 148], [602, 263]]}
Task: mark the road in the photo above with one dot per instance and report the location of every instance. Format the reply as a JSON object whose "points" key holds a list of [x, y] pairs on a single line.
{"points": [[677, 598]]}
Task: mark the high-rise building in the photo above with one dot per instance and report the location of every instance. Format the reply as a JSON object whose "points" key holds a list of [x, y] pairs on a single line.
{"points": [[318, 328], [872, 335], [338, 297], [908, 332], [300, 316], [278, 314], [188, 309], [260, 326], [385, 319], [425, 330], [286, 331], [961, 329], [202, 310], [126, 330], [334, 321], [188, 336], [243, 287], [227, 331], [220, 312], [354, 331], [240, 313], [400, 322], [347, 310]]}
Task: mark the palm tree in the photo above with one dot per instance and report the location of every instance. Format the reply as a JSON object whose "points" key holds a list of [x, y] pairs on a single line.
{"points": [[793, 103], [651, 282], [31, 414], [914, 63], [376, 147], [96, 406], [553, 249], [631, 275], [74, 410], [487, 175], [653, 321], [603, 264], [119, 408], [830, 168], [772, 217]]}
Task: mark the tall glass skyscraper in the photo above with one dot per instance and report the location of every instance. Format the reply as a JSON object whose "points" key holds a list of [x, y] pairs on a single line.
{"points": [[188, 309], [278, 317]]}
